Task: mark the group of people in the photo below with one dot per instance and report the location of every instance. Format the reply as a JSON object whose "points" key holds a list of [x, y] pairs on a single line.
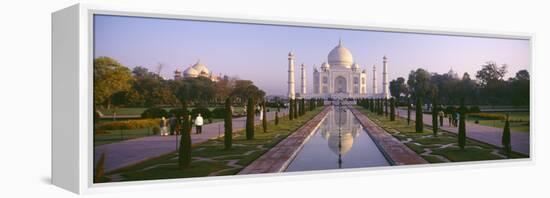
{"points": [[173, 126], [452, 116]]}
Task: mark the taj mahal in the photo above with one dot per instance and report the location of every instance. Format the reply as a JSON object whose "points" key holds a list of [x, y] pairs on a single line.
{"points": [[340, 78]]}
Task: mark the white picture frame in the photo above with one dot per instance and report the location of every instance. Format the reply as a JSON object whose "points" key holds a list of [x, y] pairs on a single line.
{"points": [[72, 77]]}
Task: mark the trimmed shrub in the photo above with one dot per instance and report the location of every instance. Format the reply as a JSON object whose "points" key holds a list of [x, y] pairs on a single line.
{"points": [[228, 124], [154, 112], [488, 116], [474, 109], [129, 124]]}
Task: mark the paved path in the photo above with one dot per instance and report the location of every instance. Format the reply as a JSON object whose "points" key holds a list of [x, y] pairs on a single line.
{"points": [[128, 152], [487, 134], [394, 150]]}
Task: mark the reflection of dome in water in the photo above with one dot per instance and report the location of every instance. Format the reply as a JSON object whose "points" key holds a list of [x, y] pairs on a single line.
{"points": [[347, 142]]}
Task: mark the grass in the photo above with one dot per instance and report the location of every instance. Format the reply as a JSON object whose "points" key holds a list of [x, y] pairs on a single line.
{"points": [[119, 135], [211, 157], [519, 121], [444, 145]]}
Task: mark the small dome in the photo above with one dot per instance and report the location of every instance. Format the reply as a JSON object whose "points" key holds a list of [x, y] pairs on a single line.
{"points": [[340, 56], [290, 54], [190, 72], [355, 66], [325, 65], [201, 68]]}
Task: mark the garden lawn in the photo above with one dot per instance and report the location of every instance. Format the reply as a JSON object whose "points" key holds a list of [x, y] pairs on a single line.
{"points": [[519, 121], [210, 158], [112, 136], [442, 148]]}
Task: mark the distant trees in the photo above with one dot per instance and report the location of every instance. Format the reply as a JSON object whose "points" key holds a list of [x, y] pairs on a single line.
{"points": [[110, 77], [398, 88]]}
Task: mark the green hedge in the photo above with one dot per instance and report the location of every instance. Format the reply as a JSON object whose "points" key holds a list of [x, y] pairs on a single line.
{"points": [[129, 124]]}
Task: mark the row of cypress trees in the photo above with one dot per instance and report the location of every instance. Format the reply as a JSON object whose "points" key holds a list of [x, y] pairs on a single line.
{"points": [[379, 106]]}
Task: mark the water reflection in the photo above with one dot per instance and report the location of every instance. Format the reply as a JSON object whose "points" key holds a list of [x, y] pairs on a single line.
{"points": [[339, 142]]}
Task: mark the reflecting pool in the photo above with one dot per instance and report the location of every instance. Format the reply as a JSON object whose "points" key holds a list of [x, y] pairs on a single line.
{"points": [[339, 142]]}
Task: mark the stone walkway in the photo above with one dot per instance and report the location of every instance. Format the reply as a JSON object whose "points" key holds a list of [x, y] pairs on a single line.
{"points": [[395, 151], [129, 152], [487, 134], [277, 158]]}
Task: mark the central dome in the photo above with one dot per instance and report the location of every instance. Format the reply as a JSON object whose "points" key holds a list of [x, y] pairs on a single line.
{"points": [[340, 57]]}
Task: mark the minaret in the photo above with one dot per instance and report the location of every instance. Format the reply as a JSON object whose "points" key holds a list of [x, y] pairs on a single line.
{"points": [[374, 89], [291, 91], [385, 84], [303, 81]]}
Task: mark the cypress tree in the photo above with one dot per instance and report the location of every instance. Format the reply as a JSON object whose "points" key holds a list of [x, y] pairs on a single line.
{"points": [[506, 143], [184, 152], [264, 117], [408, 111], [295, 108], [290, 107], [419, 125], [371, 105], [435, 125], [462, 126], [380, 107], [386, 107], [303, 106], [392, 109], [228, 124], [250, 109]]}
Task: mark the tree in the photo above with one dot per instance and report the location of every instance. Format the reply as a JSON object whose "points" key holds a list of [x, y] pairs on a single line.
{"points": [[295, 108], [386, 107], [250, 109], [435, 125], [290, 109], [392, 109], [506, 143], [228, 124], [408, 110], [398, 87], [184, 152], [462, 126], [110, 77], [419, 125], [245, 89], [490, 72], [264, 117]]}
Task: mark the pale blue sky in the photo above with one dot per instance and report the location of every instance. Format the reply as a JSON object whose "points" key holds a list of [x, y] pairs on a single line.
{"points": [[259, 52]]}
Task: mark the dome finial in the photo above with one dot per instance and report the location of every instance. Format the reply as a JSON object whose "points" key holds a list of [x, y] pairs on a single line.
{"points": [[340, 41]]}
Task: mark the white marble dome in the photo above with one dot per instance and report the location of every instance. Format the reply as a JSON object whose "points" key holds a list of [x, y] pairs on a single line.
{"points": [[201, 68], [340, 56], [190, 72]]}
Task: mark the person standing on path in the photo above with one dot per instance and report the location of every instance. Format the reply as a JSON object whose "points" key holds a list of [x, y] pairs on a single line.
{"points": [[198, 124], [172, 122], [162, 126]]}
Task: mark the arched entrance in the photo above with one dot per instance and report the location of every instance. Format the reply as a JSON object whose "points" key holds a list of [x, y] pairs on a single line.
{"points": [[340, 85]]}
